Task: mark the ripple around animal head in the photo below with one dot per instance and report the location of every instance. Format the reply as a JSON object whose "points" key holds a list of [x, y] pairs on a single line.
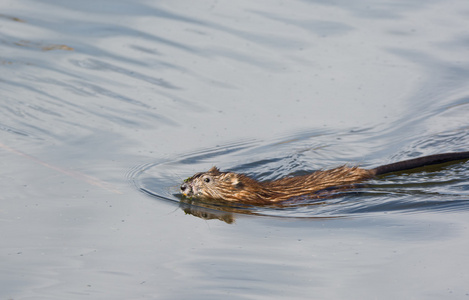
{"points": [[433, 192]]}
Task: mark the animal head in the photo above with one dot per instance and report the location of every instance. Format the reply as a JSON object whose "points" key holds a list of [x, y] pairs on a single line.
{"points": [[212, 184]]}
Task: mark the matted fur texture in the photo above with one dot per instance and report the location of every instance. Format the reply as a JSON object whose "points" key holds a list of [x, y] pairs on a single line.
{"points": [[234, 187]]}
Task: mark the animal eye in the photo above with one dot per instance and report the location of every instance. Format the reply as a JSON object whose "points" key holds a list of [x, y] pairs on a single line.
{"points": [[206, 179]]}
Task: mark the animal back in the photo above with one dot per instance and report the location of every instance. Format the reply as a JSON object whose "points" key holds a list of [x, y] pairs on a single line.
{"points": [[289, 187]]}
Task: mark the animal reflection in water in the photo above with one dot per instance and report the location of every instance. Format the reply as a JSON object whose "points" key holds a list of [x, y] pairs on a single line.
{"points": [[205, 212], [226, 212]]}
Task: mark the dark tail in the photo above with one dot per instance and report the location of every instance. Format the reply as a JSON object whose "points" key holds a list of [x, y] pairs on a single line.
{"points": [[420, 162]]}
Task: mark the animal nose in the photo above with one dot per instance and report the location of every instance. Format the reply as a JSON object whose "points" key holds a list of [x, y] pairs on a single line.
{"points": [[184, 187]]}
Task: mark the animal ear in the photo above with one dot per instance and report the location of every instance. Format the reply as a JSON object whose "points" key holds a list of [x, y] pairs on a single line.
{"points": [[239, 185], [234, 180], [214, 170]]}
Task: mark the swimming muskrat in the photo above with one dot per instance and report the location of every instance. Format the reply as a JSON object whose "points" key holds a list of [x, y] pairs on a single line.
{"points": [[234, 187]]}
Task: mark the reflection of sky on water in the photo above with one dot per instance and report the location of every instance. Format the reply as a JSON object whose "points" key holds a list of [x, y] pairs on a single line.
{"points": [[96, 93]]}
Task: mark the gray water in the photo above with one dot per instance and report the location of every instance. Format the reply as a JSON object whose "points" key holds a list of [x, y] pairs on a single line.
{"points": [[107, 106]]}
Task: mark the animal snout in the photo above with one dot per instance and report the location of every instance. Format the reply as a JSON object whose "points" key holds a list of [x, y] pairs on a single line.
{"points": [[186, 189]]}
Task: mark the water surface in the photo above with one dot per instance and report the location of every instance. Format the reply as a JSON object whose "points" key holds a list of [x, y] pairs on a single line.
{"points": [[107, 106]]}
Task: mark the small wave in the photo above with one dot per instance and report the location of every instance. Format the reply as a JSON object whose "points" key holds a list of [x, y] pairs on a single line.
{"points": [[438, 190]]}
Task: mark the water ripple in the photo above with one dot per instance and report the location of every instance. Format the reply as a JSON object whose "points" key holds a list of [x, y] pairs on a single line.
{"points": [[441, 188]]}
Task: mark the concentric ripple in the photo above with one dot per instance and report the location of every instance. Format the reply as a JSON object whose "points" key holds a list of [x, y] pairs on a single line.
{"points": [[436, 189]]}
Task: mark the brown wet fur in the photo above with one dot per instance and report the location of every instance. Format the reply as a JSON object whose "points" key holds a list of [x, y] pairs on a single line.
{"points": [[234, 187]]}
